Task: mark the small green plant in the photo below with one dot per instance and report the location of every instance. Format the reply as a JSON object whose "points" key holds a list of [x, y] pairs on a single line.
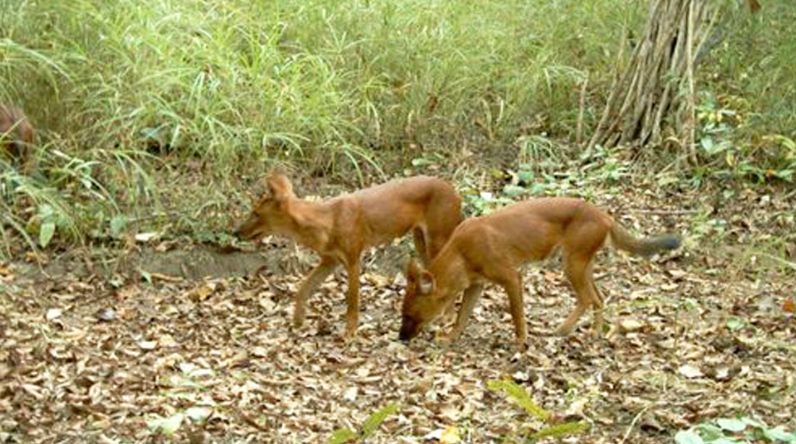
{"points": [[35, 211], [705, 227], [524, 400], [346, 435], [169, 425], [725, 154], [482, 203], [735, 323], [743, 430], [538, 154], [604, 165]]}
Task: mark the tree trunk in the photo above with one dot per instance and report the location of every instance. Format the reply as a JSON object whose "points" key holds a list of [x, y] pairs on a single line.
{"points": [[654, 94]]}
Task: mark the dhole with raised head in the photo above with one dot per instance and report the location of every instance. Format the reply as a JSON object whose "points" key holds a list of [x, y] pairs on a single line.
{"points": [[340, 229], [493, 247]]}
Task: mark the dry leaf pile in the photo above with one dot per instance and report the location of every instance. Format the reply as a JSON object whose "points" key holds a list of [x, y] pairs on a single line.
{"points": [[218, 361]]}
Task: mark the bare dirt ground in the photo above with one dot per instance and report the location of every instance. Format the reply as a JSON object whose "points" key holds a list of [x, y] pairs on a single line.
{"points": [[702, 333]]}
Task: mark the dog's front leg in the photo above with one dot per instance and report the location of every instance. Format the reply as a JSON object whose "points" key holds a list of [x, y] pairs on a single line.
{"points": [[513, 288], [318, 275], [352, 298], [471, 296]]}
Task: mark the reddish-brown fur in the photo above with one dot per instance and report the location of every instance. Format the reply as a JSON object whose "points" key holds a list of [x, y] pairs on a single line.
{"points": [[493, 247], [16, 135], [340, 229]]}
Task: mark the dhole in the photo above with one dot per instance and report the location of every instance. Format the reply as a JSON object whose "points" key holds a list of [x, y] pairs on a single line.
{"points": [[340, 229], [491, 248], [16, 135]]}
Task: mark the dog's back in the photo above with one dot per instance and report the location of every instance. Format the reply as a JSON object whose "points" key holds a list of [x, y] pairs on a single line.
{"points": [[393, 208]]}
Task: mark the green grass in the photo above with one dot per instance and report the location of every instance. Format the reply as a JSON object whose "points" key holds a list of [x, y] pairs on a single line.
{"points": [[303, 80], [752, 68], [126, 93]]}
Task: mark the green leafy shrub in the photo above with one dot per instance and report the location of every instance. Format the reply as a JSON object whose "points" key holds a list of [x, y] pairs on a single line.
{"points": [[743, 430]]}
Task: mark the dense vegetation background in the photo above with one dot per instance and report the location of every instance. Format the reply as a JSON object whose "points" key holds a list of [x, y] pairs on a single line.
{"points": [[140, 105]]}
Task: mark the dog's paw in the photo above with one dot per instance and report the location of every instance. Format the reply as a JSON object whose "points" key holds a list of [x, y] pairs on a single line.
{"points": [[447, 340], [563, 331], [350, 333], [298, 318]]}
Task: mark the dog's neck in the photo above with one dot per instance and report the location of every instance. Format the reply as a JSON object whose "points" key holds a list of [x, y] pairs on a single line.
{"points": [[450, 273], [309, 224]]}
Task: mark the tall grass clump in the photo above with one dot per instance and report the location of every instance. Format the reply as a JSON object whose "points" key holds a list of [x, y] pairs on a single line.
{"points": [[124, 94], [443, 73], [225, 79], [753, 65], [748, 98]]}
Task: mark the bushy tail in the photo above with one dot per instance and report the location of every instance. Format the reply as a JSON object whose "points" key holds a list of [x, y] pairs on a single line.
{"points": [[642, 247]]}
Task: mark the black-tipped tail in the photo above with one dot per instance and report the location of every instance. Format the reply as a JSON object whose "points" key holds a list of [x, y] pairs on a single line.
{"points": [[643, 247]]}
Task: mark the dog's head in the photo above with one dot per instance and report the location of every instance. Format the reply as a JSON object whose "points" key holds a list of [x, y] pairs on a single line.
{"points": [[270, 211], [422, 302]]}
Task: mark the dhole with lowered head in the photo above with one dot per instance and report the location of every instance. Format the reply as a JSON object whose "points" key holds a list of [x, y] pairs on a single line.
{"points": [[340, 229], [16, 135], [493, 247]]}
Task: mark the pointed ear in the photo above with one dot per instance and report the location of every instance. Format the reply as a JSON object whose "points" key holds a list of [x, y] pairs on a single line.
{"points": [[279, 186], [426, 283], [412, 270]]}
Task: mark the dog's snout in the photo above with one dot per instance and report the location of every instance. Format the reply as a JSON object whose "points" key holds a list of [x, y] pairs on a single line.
{"points": [[409, 329]]}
